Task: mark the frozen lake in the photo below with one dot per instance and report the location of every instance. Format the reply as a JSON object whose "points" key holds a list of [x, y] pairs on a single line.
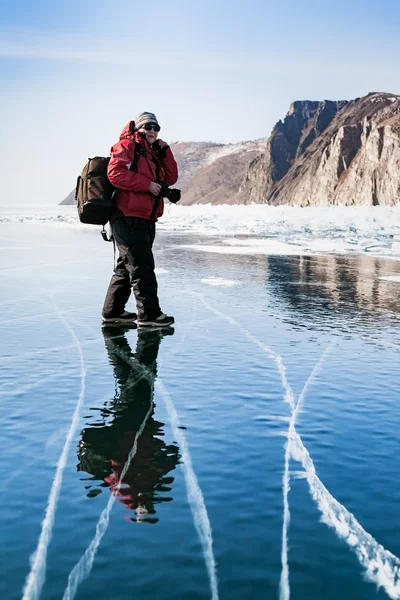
{"points": [[250, 452]]}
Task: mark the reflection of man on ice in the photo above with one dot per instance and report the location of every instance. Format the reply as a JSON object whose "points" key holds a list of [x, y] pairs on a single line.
{"points": [[130, 436]]}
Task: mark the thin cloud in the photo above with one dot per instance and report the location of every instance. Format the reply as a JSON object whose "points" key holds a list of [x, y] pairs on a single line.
{"points": [[276, 64], [26, 44], [69, 52]]}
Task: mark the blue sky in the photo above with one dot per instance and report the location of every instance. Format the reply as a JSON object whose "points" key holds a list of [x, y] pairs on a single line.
{"points": [[74, 73]]}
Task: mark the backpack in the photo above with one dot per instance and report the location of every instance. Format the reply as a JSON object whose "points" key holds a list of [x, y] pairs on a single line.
{"points": [[94, 193]]}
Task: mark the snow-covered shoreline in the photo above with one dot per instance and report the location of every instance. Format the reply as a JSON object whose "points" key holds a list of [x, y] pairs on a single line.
{"points": [[269, 229], [292, 230]]}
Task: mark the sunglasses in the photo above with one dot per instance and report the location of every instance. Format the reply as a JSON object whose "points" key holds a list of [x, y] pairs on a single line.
{"points": [[150, 126]]}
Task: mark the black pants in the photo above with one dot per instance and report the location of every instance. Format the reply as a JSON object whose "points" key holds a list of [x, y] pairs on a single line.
{"points": [[134, 238]]}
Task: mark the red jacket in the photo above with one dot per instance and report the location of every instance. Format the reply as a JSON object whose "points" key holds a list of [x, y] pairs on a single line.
{"points": [[133, 197]]}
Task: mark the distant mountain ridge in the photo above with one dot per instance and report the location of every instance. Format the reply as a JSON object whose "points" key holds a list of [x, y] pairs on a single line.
{"points": [[330, 152], [70, 199], [212, 173], [209, 172]]}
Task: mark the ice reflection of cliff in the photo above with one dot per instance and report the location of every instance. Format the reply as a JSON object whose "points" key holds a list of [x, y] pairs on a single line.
{"points": [[351, 288]]}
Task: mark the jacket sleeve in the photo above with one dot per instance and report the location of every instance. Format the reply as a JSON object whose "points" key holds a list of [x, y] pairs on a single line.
{"points": [[170, 167], [118, 169]]}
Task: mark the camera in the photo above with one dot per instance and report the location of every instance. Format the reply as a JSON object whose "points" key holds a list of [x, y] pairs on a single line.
{"points": [[172, 194]]}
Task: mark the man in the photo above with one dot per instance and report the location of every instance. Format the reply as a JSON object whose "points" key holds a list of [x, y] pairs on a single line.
{"points": [[141, 167]]}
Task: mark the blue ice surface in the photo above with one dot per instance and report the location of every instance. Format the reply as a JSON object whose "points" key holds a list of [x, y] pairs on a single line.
{"points": [[243, 324]]}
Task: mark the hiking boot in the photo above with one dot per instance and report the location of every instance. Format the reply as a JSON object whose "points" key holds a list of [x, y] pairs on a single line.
{"points": [[160, 321], [126, 317]]}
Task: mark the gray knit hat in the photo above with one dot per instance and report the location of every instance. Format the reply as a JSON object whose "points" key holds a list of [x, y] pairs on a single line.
{"points": [[143, 118]]}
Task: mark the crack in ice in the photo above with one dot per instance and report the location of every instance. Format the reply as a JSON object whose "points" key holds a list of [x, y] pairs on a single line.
{"points": [[37, 574], [381, 566], [284, 582], [194, 493]]}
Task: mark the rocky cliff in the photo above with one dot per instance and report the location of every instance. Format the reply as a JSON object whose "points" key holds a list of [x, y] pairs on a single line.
{"points": [[330, 153]]}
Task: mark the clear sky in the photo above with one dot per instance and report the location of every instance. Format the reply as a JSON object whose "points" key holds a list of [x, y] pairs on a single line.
{"points": [[73, 73]]}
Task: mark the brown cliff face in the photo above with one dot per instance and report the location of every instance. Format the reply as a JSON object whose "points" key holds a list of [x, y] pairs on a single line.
{"points": [[289, 140], [212, 173], [331, 153]]}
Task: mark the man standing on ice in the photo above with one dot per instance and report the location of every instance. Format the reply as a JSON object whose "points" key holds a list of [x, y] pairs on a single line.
{"points": [[141, 168]]}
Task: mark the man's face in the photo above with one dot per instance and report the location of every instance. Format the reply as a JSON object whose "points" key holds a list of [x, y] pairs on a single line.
{"points": [[149, 130]]}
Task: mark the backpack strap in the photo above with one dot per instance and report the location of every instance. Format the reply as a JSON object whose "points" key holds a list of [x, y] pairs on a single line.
{"points": [[137, 153], [138, 149]]}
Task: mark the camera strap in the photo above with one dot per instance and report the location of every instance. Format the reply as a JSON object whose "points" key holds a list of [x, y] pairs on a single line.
{"points": [[157, 200]]}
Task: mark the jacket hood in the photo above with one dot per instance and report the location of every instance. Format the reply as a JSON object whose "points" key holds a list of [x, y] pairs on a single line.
{"points": [[129, 132]]}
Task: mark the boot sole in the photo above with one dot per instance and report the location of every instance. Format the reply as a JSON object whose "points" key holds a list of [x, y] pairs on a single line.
{"points": [[155, 324], [118, 321]]}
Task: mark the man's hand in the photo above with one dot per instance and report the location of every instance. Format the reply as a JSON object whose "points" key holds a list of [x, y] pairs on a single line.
{"points": [[155, 188], [161, 147]]}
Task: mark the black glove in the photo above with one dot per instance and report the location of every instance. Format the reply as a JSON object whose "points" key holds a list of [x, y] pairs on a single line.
{"points": [[162, 151]]}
